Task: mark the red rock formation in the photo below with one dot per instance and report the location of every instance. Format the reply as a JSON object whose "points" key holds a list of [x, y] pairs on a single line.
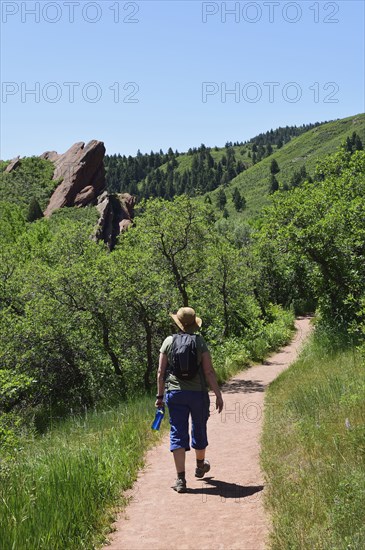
{"points": [[127, 203], [80, 168], [83, 182], [50, 155], [12, 165], [116, 215], [85, 196]]}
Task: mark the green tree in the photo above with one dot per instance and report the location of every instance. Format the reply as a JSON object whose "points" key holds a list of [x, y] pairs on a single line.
{"points": [[221, 199], [34, 211], [175, 231], [274, 167], [353, 143], [226, 297], [274, 184], [238, 201], [31, 179], [358, 146], [62, 334], [322, 225], [143, 291]]}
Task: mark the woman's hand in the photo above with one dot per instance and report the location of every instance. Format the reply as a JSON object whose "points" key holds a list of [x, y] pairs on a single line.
{"points": [[219, 403], [159, 403]]}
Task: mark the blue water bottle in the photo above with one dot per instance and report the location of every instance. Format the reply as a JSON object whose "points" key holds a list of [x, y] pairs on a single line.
{"points": [[160, 412]]}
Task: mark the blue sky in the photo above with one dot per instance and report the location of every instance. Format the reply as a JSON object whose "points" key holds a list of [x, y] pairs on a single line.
{"points": [[148, 75]]}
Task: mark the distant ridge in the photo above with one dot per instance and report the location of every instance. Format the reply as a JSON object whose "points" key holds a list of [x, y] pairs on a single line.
{"points": [[237, 167]]}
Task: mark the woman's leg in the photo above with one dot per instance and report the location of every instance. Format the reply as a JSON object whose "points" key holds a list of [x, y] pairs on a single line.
{"points": [[200, 415], [199, 409], [179, 458], [200, 454], [179, 435], [179, 429]]}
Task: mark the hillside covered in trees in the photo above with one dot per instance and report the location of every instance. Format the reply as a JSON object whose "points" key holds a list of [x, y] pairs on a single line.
{"points": [[196, 172], [81, 326], [106, 312], [237, 178]]}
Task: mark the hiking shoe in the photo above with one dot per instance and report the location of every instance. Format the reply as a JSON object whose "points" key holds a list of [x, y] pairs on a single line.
{"points": [[200, 472], [180, 486]]}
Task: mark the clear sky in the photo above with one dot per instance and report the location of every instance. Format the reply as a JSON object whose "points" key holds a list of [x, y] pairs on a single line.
{"points": [[153, 74]]}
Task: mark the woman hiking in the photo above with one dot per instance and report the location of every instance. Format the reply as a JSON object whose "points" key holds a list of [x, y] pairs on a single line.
{"points": [[184, 373]]}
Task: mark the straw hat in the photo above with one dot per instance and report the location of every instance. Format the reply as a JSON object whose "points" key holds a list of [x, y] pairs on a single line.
{"points": [[186, 319]]}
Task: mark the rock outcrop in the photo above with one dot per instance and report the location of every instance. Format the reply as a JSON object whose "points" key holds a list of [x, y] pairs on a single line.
{"points": [[50, 155], [83, 175], [12, 165], [116, 215], [85, 197]]}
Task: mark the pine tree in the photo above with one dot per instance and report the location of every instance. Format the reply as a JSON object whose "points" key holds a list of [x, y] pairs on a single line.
{"points": [[295, 180], [238, 201], [303, 173], [260, 152], [357, 143], [195, 164], [353, 143], [133, 188], [231, 171], [219, 173], [225, 179], [221, 199], [348, 145], [274, 184], [240, 167], [274, 167]]}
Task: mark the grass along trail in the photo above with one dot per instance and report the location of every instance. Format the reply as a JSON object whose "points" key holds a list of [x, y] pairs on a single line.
{"points": [[224, 511]]}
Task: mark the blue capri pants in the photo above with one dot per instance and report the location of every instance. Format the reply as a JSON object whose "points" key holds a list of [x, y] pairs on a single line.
{"points": [[182, 404]]}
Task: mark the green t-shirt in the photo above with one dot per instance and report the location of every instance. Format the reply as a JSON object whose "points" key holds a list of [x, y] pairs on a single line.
{"points": [[197, 383]]}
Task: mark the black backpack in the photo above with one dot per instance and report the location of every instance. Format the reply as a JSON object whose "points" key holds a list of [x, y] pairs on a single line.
{"points": [[184, 356]]}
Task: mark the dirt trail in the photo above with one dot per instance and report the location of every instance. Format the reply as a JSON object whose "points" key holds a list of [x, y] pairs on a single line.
{"points": [[224, 511]]}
